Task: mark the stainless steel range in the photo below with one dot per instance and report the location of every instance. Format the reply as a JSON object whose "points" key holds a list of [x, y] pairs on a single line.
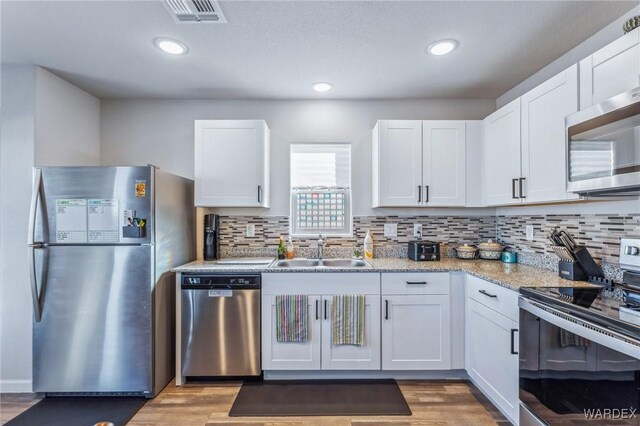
{"points": [[580, 355]]}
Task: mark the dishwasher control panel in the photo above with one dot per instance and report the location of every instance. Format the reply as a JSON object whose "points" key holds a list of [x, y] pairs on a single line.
{"points": [[221, 281]]}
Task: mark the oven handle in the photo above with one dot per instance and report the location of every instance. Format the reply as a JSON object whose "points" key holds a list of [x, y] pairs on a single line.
{"points": [[594, 332]]}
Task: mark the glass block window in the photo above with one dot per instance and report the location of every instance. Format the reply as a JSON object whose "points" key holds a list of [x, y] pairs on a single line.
{"points": [[320, 190]]}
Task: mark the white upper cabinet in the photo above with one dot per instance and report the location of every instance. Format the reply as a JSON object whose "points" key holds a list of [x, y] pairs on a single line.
{"points": [[543, 137], [501, 156], [419, 163], [443, 163], [397, 163], [231, 163], [612, 70]]}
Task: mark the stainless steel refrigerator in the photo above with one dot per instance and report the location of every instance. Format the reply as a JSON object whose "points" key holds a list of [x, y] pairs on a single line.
{"points": [[102, 242]]}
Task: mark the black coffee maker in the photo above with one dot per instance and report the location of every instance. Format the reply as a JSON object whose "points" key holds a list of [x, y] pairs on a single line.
{"points": [[211, 223]]}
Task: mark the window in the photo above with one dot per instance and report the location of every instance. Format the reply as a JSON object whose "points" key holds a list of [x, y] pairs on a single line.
{"points": [[321, 189]]}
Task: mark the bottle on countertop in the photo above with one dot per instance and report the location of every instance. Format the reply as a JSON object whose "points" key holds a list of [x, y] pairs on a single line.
{"points": [[281, 249], [291, 252], [368, 246]]}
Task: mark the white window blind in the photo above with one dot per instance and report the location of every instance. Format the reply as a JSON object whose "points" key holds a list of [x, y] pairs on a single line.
{"points": [[320, 189]]}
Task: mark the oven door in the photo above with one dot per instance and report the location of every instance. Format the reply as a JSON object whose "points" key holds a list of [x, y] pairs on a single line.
{"points": [[573, 372], [603, 147]]}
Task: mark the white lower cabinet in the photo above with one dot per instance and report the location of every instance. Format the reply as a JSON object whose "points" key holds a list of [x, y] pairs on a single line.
{"points": [[491, 354], [416, 321], [318, 353], [290, 355], [416, 332], [351, 357]]}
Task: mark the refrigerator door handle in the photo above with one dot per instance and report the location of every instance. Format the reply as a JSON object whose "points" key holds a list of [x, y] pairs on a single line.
{"points": [[37, 188], [37, 298], [33, 245]]}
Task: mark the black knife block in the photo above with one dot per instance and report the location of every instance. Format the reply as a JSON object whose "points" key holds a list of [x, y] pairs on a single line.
{"points": [[586, 262], [570, 271]]}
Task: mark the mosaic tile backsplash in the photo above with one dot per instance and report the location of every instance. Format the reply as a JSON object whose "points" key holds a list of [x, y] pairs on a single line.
{"points": [[446, 229], [601, 234]]}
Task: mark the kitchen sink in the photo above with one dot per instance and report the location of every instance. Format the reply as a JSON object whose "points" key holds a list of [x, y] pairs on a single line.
{"points": [[324, 263], [298, 263], [344, 263]]}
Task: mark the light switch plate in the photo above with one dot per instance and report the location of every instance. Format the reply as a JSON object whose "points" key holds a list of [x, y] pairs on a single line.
{"points": [[390, 229], [251, 230], [529, 230], [417, 230]]}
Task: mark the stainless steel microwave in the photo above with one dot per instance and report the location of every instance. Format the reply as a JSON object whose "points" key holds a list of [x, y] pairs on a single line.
{"points": [[603, 147]]}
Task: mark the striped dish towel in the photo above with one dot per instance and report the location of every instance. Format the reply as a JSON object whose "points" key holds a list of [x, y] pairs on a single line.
{"points": [[291, 318], [348, 320]]}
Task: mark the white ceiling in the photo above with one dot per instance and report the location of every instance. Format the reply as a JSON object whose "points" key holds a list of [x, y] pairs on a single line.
{"points": [[373, 49]]}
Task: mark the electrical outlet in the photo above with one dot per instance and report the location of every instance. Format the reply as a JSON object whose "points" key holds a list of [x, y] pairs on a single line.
{"points": [[251, 230], [417, 230], [529, 231], [390, 229]]}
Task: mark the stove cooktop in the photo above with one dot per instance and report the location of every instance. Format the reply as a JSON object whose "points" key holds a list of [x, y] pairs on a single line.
{"points": [[616, 308]]}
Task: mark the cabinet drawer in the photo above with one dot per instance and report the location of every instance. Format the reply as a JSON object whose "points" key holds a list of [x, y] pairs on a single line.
{"points": [[500, 299], [415, 283]]}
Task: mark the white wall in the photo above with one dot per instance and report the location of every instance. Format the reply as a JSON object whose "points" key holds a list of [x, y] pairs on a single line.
{"points": [[45, 121], [67, 123], [161, 132], [573, 56], [17, 145]]}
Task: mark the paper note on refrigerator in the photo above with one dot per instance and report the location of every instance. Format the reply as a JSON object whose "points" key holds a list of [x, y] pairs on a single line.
{"points": [[103, 218], [71, 221]]}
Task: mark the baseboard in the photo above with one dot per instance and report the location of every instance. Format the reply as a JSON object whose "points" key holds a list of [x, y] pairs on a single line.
{"points": [[365, 374], [16, 386]]}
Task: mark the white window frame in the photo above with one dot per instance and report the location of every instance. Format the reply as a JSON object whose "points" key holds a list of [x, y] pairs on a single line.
{"points": [[294, 231]]}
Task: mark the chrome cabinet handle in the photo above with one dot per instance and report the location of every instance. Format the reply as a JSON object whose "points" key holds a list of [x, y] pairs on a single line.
{"points": [[416, 282], [513, 332], [259, 193], [426, 193], [520, 186], [419, 193], [513, 189], [488, 294], [386, 309]]}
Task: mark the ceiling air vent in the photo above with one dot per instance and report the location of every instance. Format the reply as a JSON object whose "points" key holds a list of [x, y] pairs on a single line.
{"points": [[196, 11]]}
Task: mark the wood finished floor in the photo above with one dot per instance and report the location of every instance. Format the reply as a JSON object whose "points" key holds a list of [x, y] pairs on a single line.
{"points": [[432, 403]]}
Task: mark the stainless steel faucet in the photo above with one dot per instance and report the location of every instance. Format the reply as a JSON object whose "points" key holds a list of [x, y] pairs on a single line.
{"points": [[320, 246]]}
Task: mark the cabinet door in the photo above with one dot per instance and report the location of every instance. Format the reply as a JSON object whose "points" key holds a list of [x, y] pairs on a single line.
{"points": [[488, 356], [290, 355], [351, 357], [416, 333], [501, 156], [612, 70], [543, 137], [231, 160], [443, 163], [397, 163]]}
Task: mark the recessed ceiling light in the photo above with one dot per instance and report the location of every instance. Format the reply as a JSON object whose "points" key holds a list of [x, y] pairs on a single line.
{"points": [[442, 47], [321, 87], [171, 46]]}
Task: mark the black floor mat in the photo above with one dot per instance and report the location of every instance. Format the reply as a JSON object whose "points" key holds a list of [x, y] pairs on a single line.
{"points": [[320, 398], [79, 411]]}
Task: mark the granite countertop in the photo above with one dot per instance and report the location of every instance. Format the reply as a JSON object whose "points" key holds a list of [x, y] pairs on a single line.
{"points": [[509, 275]]}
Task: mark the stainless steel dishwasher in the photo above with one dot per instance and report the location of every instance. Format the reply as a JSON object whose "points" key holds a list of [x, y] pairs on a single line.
{"points": [[220, 325]]}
